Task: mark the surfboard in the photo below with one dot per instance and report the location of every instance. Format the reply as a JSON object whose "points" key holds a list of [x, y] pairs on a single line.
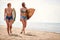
{"points": [[14, 14], [30, 12]]}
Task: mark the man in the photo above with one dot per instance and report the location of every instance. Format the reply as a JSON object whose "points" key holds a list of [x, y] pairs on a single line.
{"points": [[8, 18]]}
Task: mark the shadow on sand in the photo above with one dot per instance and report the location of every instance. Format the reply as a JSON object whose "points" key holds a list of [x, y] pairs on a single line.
{"points": [[29, 34], [16, 35]]}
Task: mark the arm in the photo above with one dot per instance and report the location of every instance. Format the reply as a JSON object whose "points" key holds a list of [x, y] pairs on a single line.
{"points": [[20, 13], [5, 14]]}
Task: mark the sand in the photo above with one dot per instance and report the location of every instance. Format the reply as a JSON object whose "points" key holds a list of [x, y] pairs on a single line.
{"points": [[29, 35]]}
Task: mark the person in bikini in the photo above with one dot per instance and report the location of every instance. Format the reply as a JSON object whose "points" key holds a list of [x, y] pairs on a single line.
{"points": [[23, 17], [8, 18]]}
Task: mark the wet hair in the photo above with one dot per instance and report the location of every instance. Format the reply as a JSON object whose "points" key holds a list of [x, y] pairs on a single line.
{"points": [[23, 4], [8, 4]]}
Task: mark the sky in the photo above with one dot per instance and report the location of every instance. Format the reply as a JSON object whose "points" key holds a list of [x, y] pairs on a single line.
{"points": [[46, 11]]}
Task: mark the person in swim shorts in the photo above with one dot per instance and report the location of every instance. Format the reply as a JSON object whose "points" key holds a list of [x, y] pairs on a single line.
{"points": [[8, 18]]}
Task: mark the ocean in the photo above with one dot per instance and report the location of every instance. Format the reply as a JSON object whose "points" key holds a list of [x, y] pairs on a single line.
{"points": [[49, 27]]}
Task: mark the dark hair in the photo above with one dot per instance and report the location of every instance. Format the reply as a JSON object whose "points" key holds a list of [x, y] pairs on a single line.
{"points": [[23, 4], [8, 4]]}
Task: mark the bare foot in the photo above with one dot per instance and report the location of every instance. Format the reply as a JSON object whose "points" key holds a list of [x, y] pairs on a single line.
{"points": [[10, 31], [21, 33], [24, 32]]}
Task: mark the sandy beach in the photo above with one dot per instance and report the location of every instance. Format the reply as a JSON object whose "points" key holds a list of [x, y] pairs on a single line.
{"points": [[29, 35]]}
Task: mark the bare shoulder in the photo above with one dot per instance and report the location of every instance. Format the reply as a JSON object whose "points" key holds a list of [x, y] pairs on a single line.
{"points": [[5, 8], [21, 8]]}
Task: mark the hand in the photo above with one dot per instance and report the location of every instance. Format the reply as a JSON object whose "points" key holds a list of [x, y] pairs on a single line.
{"points": [[20, 19], [5, 18]]}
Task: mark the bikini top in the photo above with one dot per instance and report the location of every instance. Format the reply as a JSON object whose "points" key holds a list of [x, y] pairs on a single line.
{"points": [[23, 10]]}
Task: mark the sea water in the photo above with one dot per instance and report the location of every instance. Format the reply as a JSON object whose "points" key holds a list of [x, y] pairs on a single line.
{"points": [[50, 27]]}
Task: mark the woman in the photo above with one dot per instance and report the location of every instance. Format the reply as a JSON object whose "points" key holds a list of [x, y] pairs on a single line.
{"points": [[8, 18], [23, 17]]}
